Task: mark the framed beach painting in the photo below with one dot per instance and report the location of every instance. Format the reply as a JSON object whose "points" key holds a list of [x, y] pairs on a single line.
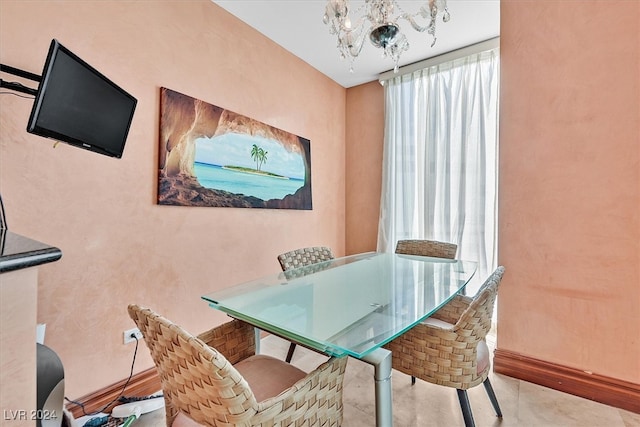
{"points": [[210, 156]]}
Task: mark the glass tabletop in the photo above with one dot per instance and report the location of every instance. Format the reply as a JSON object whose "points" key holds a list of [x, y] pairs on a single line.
{"points": [[350, 305]]}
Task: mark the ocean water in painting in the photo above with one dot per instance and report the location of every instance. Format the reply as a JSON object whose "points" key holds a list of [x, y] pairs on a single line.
{"points": [[260, 186]]}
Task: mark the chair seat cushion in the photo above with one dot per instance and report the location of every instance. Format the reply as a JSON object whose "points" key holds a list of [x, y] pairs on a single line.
{"points": [[438, 323], [483, 357], [267, 377]]}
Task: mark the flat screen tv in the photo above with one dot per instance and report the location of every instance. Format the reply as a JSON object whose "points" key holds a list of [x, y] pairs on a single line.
{"points": [[78, 105]]}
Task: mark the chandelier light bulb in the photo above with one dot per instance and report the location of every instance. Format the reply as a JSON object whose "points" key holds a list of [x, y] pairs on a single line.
{"points": [[376, 20]]}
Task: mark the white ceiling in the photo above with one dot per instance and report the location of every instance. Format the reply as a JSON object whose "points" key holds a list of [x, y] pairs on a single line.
{"points": [[297, 26]]}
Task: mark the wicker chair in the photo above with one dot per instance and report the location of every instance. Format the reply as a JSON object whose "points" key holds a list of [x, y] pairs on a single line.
{"points": [[431, 248], [449, 348], [300, 258], [216, 379], [304, 256]]}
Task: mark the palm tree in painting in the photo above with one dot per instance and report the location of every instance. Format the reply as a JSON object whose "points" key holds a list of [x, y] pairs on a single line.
{"points": [[262, 157], [255, 155], [259, 155]]}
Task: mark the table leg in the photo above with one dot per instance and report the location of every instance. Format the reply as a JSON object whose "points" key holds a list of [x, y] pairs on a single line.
{"points": [[381, 361]]}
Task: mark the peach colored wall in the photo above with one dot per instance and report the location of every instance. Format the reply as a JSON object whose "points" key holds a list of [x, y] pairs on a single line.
{"points": [[569, 230], [364, 142], [118, 245]]}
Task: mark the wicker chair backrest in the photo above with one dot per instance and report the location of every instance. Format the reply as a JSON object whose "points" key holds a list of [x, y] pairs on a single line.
{"points": [[304, 256], [430, 248], [476, 319], [196, 379], [199, 380]]}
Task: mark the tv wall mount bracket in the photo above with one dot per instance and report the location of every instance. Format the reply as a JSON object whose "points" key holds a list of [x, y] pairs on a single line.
{"points": [[18, 87]]}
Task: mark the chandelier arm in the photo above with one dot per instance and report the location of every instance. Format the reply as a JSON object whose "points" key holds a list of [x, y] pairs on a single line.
{"points": [[416, 26], [351, 42], [355, 49]]}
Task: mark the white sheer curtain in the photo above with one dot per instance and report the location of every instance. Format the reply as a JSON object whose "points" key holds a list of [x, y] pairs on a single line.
{"points": [[439, 178]]}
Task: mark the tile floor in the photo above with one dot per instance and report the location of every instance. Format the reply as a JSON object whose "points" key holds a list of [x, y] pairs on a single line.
{"points": [[522, 403]]}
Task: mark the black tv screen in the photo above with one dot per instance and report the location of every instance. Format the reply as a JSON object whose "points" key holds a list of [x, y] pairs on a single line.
{"points": [[78, 105]]}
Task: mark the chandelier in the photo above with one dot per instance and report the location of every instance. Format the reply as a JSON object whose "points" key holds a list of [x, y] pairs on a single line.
{"points": [[376, 20]]}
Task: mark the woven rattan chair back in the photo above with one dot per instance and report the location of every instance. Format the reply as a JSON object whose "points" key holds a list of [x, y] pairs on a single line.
{"points": [[473, 326], [449, 356], [201, 382], [431, 248], [304, 256], [300, 258]]}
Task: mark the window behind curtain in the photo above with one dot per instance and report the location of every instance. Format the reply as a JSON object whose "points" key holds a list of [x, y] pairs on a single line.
{"points": [[440, 159]]}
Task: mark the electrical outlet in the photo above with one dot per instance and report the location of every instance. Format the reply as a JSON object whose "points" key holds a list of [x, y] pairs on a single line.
{"points": [[130, 333]]}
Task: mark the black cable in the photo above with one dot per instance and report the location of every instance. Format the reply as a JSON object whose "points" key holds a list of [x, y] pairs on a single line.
{"points": [[129, 399], [18, 87], [81, 405]]}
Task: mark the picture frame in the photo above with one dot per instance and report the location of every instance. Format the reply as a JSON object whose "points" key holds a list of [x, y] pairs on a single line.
{"points": [[210, 156]]}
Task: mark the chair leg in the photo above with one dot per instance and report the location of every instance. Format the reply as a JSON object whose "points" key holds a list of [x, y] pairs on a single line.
{"points": [[463, 397], [413, 380], [492, 397], [292, 347]]}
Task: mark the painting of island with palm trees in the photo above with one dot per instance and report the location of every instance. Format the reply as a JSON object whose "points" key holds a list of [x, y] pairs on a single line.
{"points": [[210, 156]]}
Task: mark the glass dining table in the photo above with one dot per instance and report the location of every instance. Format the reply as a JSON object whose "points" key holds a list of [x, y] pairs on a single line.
{"points": [[349, 306]]}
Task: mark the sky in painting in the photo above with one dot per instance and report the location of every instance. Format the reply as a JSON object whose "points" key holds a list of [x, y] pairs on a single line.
{"points": [[234, 149]]}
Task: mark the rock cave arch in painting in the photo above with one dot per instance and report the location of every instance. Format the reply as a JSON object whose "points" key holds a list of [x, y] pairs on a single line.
{"points": [[210, 156]]}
